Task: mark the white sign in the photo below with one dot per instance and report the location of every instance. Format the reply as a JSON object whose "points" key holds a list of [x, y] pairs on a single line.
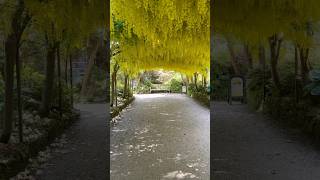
{"points": [[237, 87], [184, 89]]}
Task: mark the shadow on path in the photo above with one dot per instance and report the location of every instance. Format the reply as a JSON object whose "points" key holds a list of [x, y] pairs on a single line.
{"points": [[161, 136], [249, 147], [84, 156]]}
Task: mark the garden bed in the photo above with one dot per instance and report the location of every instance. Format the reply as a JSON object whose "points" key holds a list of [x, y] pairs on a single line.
{"points": [[115, 111], [38, 133]]}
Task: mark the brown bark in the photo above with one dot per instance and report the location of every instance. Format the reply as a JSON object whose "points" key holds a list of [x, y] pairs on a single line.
{"points": [[248, 56], [195, 76], [71, 79], [275, 46], [125, 90], [304, 64], [296, 66], [262, 56], [11, 53], [48, 82], [59, 81], [234, 62], [88, 71], [18, 24], [66, 71], [114, 85]]}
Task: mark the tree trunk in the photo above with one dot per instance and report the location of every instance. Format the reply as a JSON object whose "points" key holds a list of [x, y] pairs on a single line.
{"points": [[116, 89], [71, 79], [234, 63], [196, 79], [19, 105], [48, 82], [66, 71], [125, 91], [248, 56], [59, 81], [112, 88], [18, 25], [205, 81], [275, 45], [88, 72], [304, 64], [11, 54], [114, 84], [262, 56], [296, 66]]}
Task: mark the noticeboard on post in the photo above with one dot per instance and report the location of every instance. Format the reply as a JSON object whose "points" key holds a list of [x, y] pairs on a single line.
{"points": [[237, 87]]}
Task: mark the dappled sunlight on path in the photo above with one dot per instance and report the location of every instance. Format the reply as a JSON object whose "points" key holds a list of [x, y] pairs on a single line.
{"points": [[163, 136]]}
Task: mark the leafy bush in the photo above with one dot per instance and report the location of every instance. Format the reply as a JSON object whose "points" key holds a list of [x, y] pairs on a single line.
{"points": [[175, 86], [258, 81], [66, 97], [200, 93], [144, 87], [220, 88], [32, 82], [314, 87]]}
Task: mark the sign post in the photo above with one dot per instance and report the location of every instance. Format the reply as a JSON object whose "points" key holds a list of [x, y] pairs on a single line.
{"points": [[237, 89]]}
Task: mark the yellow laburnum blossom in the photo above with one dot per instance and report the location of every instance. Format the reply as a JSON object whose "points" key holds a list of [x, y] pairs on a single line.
{"points": [[168, 34]]}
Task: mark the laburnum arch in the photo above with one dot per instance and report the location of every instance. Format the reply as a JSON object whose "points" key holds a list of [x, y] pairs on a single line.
{"points": [[256, 20], [163, 34]]}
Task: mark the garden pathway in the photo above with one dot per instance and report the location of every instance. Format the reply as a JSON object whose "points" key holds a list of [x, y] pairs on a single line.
{"points": [[249, 146], [85, 154], [161, 136]]}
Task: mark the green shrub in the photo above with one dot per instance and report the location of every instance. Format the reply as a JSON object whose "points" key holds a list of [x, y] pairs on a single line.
{"points": [[314, 87], [200, 93], [144, 87], [258, 81], [175, 86]]}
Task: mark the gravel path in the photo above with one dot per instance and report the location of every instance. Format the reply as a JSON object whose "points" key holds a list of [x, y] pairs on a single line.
{"points": [[84, 156], [248, 146], [161, 136]]}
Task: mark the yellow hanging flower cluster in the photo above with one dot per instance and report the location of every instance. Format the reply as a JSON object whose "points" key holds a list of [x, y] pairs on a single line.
{"points": [[168, 34], [256, 20]]}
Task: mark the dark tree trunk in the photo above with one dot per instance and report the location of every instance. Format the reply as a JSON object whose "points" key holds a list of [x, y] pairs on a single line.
{"points": [[49, 81], [19, 105], [116, 89], [66, 71], [112, 88], [205, 81], [296, 66], [275, 45], [11, 53], [2, 71], [262, 56], [304, 64], [59, 80], [125, 92], [196, 80], [88, 72], [248, 56], [71, 79], [12, 42], [234, 62], [114, 85]]}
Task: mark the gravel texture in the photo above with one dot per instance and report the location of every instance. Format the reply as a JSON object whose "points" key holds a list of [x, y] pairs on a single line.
{"points": [[84, 156], [249, 146], [161, 136]]}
